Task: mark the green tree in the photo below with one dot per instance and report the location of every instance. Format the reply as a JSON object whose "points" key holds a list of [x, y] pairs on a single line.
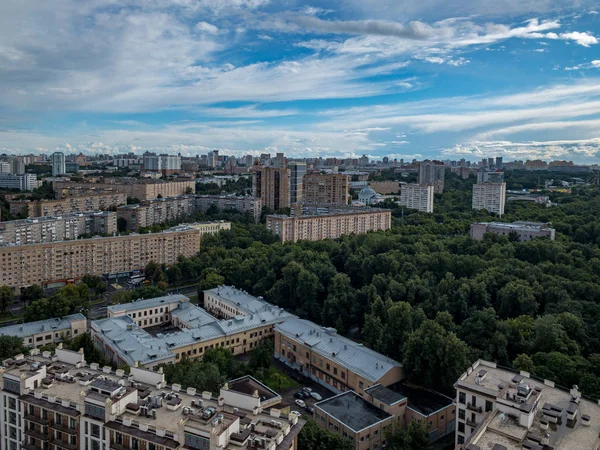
{"points": [[261, 356], [11, 346], [31, 293], [313, 437], [435, 358], [6, 297], [210, 280], [524, 362], [414, 436], [515, 299]]}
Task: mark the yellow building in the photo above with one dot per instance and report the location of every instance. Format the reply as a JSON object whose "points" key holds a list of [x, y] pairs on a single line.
{"points": [[325, 189]]}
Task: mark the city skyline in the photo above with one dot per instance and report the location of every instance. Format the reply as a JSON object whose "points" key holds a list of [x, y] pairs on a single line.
{"points": [[307, 79]]}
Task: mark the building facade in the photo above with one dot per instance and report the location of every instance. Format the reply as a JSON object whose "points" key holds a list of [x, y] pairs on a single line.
{"points": [[67, 261], [418, 196], [490, 196], [244, 204], [499, 407], [48, 331], [524, 230], [326, 189], [163, 163], [60, 402], [52, 229], [297, 173], [271, 185], [58, 164], [142, 189], [432, 172], [67, 205], [329, 225], [25, 182]]}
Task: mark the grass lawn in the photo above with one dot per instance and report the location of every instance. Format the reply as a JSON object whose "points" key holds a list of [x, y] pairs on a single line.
{"points": [[275, 379]]}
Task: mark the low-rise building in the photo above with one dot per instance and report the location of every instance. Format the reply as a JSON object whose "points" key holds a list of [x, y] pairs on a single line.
{"points": [[228, 302], [417, 196], [332, 360], [60, 401], [67, 205], [22, 182], [524, 230], [490, 196], [52, 229], [503, 409], [355, 419], [329, 225], [68, 261], [48, 331]]}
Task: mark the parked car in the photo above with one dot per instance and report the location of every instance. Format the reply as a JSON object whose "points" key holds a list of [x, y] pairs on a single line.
{"points": [[296, 412], [307, 390], [300, 403], [309, 409], [300, 395], [316, 396]]}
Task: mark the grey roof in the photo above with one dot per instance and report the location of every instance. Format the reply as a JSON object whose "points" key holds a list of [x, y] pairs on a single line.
{"points": [[244, 301], [192, 315], [148, 303], [325, 341], [31, 328], [353, 411], [384, 395]]}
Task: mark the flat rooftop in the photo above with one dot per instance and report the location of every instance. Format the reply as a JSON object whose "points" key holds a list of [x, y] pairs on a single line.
{"points": [[505, 430], [385, 395], [249, 385], [148, 303], [41, 326], [353, 411], [422, 400]]}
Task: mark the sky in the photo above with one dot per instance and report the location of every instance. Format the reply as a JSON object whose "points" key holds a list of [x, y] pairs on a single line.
{"points": [[404, 79]]}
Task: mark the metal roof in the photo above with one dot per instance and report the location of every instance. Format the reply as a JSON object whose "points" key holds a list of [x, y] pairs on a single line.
{"points": [[325, 341], [244, 301], [41, 326], [148, 303]]}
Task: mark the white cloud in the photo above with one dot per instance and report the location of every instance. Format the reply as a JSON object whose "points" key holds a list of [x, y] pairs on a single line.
{"points": [[584, 39], [206, 27]]}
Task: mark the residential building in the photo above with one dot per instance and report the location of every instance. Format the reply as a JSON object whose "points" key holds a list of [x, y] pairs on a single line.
{"points": [[67, 261], [142, 189], [297, 173], [271, 185], [5, 167], [499, 164], [432, 172], [385, 187], [501, 408], [355, 419], [326, 189], [58, 164], [163, 163], [203, 228], [332, 360], [67, 205], [17, 165], [244, 204], [524, 230], [59, 401], [48, 331], [124, 339], [489, 176], [418, 196], [490, 196], [331, 225], [536, 165], [25, 182], [52, 229]]}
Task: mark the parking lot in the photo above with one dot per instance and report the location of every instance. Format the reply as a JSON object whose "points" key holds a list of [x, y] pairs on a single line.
{"points": [[287, 395]]}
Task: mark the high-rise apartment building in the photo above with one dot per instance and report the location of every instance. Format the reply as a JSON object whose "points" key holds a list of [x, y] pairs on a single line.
{"points": [[25, 182], [67, 261], [490, 196], [58, 401], [487, 176], [166, 164], [417, 196], [499, 163], [432, 172], [297, 173], [58, 164], [5, 167], [66, 205], [326, 189], [271, 185]]}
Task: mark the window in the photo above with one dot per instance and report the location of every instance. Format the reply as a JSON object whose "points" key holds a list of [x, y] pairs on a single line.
{"points": [[473, 400], [460, 440], [461, 427], [461, 414], [361, 385], [328, 367], [488, 406], [462, 398]]}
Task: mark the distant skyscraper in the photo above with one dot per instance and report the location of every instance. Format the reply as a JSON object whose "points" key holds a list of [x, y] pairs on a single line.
{"points": [[498, 162], [417, 196], [490, 196], [271, 185], [297, 171], [58, 164], [490, 162], [432, 172]]}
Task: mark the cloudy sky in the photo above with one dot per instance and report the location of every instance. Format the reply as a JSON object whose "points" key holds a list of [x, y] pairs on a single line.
{"points": [[427, 78]]}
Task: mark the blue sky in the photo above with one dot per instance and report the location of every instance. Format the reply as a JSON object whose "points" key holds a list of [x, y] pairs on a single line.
{"points": [[385, 77]]}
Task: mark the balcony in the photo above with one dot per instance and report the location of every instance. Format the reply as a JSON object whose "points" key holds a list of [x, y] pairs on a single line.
{"points": [[28, 446], [475, 408], [115, 446], [36, 434], [62, 427], [471, 423], [64, 444], [36, 419]]}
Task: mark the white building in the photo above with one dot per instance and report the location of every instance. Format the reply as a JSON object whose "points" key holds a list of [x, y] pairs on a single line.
{"points": [[48, 331], [432, 172], [5, 167], [487, 176], [167, 164], [25, 182], [58, 164], [490, 196], [366, 195], [417, 196]]}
